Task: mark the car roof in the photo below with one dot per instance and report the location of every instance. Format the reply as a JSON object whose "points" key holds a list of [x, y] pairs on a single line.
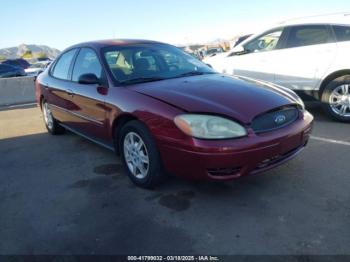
{"points": [[338, 18], [114, 42], [330, 19]]}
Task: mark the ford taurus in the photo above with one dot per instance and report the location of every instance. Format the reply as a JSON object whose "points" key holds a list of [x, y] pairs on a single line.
{"points": [[165, 112]]}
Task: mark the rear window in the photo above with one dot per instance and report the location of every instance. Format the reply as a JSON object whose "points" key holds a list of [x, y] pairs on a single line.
{"points": [[342, 33], [308, 35]]}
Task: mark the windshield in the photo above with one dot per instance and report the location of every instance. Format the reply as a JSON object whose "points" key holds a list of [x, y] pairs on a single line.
{"points": [[213, 51], [151, 62]]}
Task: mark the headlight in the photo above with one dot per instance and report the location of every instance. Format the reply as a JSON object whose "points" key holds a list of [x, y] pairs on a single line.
{"points": [[209, 127]]}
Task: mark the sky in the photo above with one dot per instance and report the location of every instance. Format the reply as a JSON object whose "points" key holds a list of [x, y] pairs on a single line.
{"points": [[61, 23]]}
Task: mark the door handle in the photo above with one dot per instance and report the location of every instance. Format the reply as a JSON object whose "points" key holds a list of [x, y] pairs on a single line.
{"points": [[70, 92]]}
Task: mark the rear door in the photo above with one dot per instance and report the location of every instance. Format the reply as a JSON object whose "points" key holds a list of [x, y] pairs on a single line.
{"points": [[342, 34], [58, 86], [87, 103], [308, 53]]}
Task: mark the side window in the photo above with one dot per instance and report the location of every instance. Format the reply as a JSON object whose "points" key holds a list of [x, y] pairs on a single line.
{"points": [[342, 33], [265, 42], [87, 63], [308, 35], [61, 69]]}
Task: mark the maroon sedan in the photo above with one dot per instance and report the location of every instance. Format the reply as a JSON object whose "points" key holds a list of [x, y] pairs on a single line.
{"points": [[164, 111]]}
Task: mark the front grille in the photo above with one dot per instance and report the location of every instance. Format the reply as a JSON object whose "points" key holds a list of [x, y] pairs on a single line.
{"points": [[275, 119]]}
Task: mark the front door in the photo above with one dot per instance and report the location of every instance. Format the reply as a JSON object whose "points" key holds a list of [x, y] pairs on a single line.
{"points": [[87, 103], [256, 59]]}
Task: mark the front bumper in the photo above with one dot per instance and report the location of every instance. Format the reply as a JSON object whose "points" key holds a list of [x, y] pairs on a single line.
{"points": [[230, 159]]}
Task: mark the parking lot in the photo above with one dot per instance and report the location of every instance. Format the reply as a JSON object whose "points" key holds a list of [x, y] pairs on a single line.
{"points": [[66, 195]]}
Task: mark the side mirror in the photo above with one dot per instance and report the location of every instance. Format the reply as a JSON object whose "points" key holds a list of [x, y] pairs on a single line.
{"points": [[89, 79], [238, 49]]}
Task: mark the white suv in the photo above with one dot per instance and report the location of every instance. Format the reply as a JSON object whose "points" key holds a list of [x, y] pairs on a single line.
{"points": [[310, 56]]}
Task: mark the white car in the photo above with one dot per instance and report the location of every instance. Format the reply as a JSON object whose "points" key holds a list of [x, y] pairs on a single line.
{"points": [[213, 51], [310, 56], [37, 68]]}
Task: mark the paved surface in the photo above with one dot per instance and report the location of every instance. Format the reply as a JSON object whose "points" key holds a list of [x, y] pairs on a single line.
{"points": [[65, 195]]}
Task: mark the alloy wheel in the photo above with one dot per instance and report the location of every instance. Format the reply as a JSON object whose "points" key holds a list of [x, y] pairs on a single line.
{"points": [[136, 155], [339, 100], [48, 116]]}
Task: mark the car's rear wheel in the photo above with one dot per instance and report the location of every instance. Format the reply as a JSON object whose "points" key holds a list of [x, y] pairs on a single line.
{"points": [[336, 98], [140, 155], [50, 122]]}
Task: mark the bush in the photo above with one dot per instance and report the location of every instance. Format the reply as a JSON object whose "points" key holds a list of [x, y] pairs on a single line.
{"points": [[41, 55], [27, 55]]}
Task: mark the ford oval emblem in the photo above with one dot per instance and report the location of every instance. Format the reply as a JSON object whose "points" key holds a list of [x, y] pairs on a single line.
{"points": [[280, 119]]}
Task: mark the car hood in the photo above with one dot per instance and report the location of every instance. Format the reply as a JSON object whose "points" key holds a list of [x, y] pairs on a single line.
{"points": [[219, 94]]}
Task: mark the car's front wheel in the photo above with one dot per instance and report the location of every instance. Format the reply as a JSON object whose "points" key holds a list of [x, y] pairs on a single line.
{"points": [[336, 98], [50, 122], [139, 155]]}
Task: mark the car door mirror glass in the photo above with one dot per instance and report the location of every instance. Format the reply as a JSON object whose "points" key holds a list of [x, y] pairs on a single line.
{"points": [[237, 50], [89, 79]]}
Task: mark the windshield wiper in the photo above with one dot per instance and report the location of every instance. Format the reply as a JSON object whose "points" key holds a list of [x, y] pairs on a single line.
{"points": [[156, 78], [193, 73], [141, 80]]}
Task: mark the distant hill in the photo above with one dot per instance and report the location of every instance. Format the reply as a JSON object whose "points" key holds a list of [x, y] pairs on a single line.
{"points": [[17, 52]]}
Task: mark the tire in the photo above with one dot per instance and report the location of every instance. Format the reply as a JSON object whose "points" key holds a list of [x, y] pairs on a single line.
{"points": [[50, 122], [135, 155], [336, 98]]}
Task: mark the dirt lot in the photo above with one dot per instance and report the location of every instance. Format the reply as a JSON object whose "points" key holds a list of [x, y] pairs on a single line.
{"points": [[66, 195]]}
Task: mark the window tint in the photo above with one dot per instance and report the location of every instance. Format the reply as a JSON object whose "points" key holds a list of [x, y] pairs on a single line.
{"points": [[342, 33], [61, 68], [266, 42], [308, 35], [87, 63]]}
